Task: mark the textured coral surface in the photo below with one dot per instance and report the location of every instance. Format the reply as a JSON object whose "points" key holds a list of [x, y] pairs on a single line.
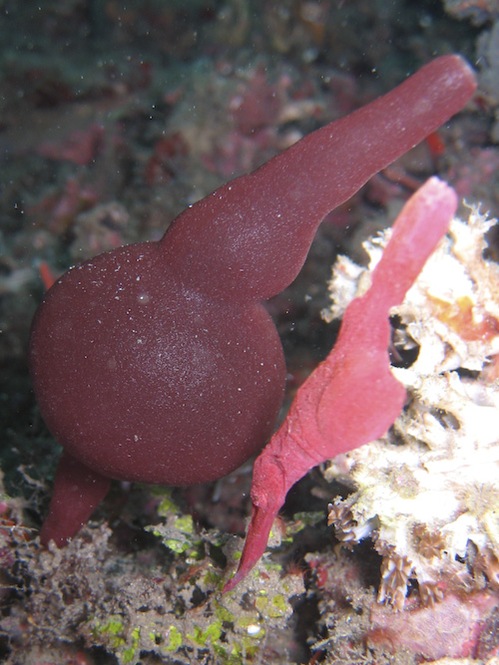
{"points": [[427, 492]]}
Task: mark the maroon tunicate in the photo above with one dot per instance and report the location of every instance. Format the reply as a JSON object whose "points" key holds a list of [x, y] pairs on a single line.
{"points": [[157, 362]]}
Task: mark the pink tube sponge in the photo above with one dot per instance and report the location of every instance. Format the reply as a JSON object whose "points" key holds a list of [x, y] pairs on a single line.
{"points": [[352, 397]]}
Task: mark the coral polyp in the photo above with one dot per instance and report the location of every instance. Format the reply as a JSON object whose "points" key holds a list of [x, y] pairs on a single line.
{"points": [[430, 544], [395, 573], [426, 493]]}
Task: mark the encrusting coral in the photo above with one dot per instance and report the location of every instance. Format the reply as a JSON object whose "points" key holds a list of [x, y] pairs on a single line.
{"points": [[427, 492]]}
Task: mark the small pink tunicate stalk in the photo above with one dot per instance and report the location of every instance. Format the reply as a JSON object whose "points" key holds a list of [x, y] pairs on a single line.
{"points": [[352, 397]]}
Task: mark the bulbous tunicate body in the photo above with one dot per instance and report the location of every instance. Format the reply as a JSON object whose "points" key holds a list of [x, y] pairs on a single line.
{"points": [[140, 378]]}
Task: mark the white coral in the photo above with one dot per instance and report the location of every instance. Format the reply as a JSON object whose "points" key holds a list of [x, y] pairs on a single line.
{"points": [[432, 481]]}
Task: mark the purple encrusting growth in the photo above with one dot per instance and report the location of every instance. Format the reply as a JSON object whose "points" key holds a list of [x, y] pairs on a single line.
{"points": [[157, 362]]}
